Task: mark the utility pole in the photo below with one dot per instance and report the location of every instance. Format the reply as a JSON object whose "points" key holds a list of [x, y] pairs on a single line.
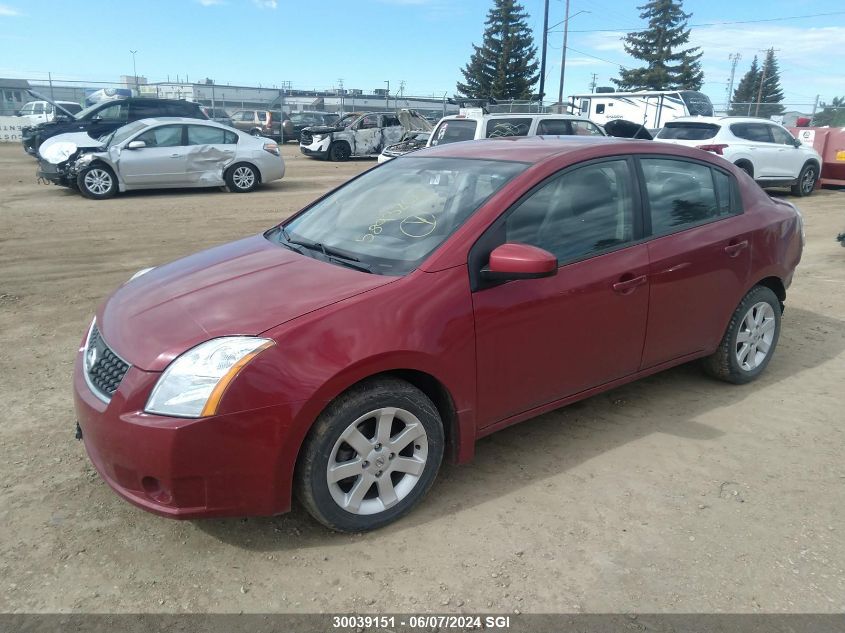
{"points": [[387, 95], [815, 107], [52, 98], [543, 49], [563, 53], [340, 83], [594, 82], [734, 59], [762, 81], [134, 70]]}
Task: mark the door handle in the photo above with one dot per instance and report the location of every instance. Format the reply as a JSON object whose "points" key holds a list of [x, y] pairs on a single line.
{"points": [[735, 249], [176, 156], [627, 285]]}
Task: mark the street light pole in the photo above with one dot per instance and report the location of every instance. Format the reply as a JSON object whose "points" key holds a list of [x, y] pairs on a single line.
{"points": [[563, 54], [134, 70], [543, 49], [387, 95]]}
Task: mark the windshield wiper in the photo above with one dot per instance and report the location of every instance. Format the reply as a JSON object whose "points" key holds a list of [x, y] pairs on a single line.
{"points": [[328, 252]]}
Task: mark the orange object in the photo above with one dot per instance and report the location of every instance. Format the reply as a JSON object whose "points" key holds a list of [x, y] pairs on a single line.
{"points": [[830, 143]]}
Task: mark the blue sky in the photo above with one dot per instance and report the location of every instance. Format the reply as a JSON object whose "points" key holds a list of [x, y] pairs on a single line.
{"points": [[421, 42]]}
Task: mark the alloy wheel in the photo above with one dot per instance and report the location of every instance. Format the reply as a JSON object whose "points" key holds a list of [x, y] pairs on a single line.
{"points": [[808, 181], [243, 177], [377, 461], [755, 336], [98, 181]]}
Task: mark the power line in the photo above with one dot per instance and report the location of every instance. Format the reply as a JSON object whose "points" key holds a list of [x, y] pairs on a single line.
{"points": [[709, 24]]}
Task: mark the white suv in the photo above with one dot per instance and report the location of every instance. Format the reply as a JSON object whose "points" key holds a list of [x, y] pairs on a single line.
{"points": [[764, 149]]}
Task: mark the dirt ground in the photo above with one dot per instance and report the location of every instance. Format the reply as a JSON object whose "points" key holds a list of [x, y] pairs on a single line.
{"points": [[673, 494]]}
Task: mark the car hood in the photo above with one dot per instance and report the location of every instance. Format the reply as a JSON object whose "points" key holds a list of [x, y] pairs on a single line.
{"points": [[59, 148], [244, 287]]}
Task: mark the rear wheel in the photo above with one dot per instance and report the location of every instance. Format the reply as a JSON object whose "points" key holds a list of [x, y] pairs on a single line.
{"points": [[242, 178], [371, 456], [97, 182], [750, 340], [806, 180]]}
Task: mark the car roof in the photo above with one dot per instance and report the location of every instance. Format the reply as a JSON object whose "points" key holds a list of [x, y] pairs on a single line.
{"points": [[717, 120], [532, 149], [183, 119], [511, 115]]}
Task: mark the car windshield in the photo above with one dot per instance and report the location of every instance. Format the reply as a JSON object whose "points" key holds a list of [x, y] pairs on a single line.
{"points": [[84, 113], [348, 120], [391, 218], [122, 133], [688, 131]]}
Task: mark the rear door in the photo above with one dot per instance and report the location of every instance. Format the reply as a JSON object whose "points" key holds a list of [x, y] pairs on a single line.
{"points": [[161, 163], [757, 139], [790, 159], [700, 257], [541, 340], [209, 151], [391, 130]]}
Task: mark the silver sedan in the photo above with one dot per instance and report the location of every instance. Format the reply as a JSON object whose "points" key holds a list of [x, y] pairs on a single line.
{"points": [[160, 153]]}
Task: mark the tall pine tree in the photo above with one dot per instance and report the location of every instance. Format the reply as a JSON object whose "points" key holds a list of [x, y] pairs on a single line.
{"points": [[660, 45], [745, 95], [505, 65], [772, 94]]}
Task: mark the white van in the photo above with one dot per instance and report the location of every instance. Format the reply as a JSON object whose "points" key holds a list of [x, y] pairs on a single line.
{"points": [[43, 111], [475, 123]]}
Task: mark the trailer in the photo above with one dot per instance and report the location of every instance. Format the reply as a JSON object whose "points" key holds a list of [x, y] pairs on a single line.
{"points": [[650, 109]]}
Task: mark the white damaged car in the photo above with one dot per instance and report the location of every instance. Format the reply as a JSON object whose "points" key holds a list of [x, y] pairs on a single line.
{"points": [[157, 154]]}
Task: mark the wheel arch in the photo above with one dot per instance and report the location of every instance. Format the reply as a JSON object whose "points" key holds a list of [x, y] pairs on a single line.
{"points": [[244, 162], [744, 161], [776, 285]]}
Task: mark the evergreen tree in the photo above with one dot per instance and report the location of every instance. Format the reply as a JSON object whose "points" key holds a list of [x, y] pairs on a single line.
{"points": [[772, 94], [832, 115], [745, 95], [504, 66], [660, 45]]}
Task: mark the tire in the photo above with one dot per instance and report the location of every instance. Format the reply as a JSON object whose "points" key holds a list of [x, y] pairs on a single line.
{"points": [[242, 177], [748, 168], [806, 180], [394, 474], [97, 182], [340, 151], [754, 323]]}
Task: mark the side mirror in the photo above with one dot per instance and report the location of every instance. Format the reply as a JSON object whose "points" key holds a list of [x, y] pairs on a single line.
{"points": [[519, 261], [136, 145], [797, 142]]}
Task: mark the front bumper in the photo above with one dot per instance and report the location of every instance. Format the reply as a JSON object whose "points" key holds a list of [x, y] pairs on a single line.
{"points": [[317, 149], [225, 465], [50, 173]]}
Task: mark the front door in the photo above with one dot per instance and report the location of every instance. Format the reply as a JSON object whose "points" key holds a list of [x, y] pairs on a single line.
{"points": [[790, 159], [161, 163], [700, 259], [367, 136], [541, 340]]}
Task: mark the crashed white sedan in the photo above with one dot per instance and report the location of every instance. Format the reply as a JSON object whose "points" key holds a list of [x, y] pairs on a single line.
{"points": [[160, 153]]}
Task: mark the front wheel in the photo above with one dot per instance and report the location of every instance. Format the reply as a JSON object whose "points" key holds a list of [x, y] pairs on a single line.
{"points": [[371, 456], [750, 340], [97, 182], [242, 178], [806, 181], [339, 151]]}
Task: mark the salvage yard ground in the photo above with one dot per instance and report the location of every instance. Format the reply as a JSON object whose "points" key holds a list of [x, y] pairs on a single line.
{"points": [[676, 493]]}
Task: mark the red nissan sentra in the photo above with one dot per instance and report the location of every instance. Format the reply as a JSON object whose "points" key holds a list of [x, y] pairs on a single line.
{"points": [[424, 304]]}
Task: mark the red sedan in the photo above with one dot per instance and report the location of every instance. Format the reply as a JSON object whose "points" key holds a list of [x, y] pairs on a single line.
{"points": [[424, 304]]}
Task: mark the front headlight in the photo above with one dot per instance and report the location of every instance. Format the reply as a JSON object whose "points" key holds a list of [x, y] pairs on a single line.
{"points": [[193, 384], [318, 137]]}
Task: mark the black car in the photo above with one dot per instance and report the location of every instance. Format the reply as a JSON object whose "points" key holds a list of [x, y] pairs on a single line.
{"points": [[301, 120], [105, 117]]}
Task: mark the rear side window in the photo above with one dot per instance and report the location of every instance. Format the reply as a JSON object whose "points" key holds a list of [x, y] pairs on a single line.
{"points": [[453, 131], [689, 131], [207, 135], [753, 132], [498, 128], [390, 121], [114, 112], [553, 127], [682, 194], [578, 214]]}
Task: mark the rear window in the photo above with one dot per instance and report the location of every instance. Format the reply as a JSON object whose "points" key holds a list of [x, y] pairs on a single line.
{"points": [[73, 108], [498, 128], [689, 131], [453, 131]]}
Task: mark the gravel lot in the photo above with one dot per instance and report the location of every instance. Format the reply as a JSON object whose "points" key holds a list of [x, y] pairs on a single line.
{"points": [[672, 494]]}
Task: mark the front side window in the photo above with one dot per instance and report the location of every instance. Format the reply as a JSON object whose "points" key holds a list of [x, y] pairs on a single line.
{"points": [[207, 135], [682, 194], [38, 108], [112, 113], [164, 136], [454, 131], [390, 121], [369, 122], [393, 217], [585, 128], [580, 213], [781, 136], [497, 128], [27, 109]]}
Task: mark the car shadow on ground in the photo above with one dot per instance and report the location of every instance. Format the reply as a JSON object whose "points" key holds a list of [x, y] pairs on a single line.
{"points": [[551, 444]]}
